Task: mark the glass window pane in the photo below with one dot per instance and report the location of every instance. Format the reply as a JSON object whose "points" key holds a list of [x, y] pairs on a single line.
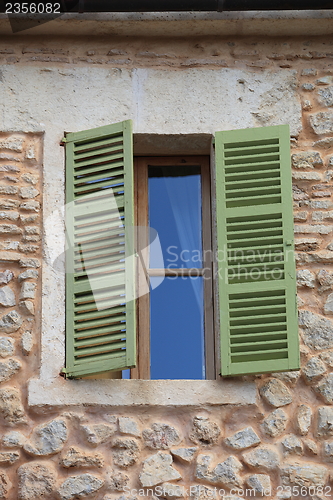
{"points": [[176, 329], [175, 213]]}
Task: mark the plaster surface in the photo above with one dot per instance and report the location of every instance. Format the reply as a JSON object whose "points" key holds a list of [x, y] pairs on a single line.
{"points": [[51, 101]]}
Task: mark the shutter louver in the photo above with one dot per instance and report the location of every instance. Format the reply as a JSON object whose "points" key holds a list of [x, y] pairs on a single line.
{"points": [[257, 277], [100, 316]]}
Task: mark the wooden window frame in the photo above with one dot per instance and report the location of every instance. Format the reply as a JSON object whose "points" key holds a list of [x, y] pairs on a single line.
{"points": [[142, 369]]}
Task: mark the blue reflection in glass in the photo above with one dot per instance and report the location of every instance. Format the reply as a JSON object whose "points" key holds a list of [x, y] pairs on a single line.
{"points": [[176, 329], [175, 213]]}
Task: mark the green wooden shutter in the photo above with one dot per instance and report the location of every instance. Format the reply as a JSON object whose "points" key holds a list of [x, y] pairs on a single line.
{"points": [[257, 282], [100, 315]]}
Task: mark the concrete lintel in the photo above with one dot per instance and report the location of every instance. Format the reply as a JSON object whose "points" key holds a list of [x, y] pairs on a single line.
{"points": [[271, 23], [139, 393]]}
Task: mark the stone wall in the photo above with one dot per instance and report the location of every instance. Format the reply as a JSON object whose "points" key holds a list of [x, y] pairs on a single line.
{"points": [[280, 447]]}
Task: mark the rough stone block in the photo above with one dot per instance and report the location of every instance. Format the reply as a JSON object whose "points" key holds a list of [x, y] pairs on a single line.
{"points": [[81, 486], [13, 439], [30, 178], [161, 436], [204, 432], [313, 228], [157, 469], [303, 419], [28, 192], [311, 446], [275, 423], [29, 262], [313, 370], [243, 439], [125, 452], [300, 216], [4, 189], [9, 458], [7, 297], [328, 451], [309, 72], [11, 408], [262, 458], [276, 393], [116, 480], [305, 278], [33, 206], [317, 330], [98, 433], [324, 80], [36, 480], [11, 322], [5, 485], [304, 474], [322, 257], [27, 343], [260, 483], [322, 123], [306, 105], [28, 274], [292, 445], [307, 244], [9, 215], [10, 229], [325, 96], [325, 421], [6, 347], [327, 357], [27, 219], [12, 144], [6, 276], [325, 388], [47, 439], [28, 290], [129, 426], [28, 248], [308, 87], [227, 473], [8, 204], [8, 369], [74, 457], [185, 455]]}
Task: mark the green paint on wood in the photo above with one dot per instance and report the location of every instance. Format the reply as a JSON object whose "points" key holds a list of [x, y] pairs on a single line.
{"points": [[100, 259], [257, 278]]}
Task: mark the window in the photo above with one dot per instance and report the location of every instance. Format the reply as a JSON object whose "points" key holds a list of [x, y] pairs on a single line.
{"points": [[175, 320], [254, 274]]}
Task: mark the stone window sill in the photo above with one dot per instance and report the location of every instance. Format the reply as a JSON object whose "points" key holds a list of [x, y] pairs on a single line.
{"points": [[125, 393]]}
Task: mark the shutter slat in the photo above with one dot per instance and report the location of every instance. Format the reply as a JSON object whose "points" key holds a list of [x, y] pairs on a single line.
{"points": [[116, 174], [95, 207], [110, 346], [92, 332], [109, 167], [82, 141], [257, 289], [97, 314], [98, 160], [100, 315], [98, 149], [101, 339], [100, 185]]}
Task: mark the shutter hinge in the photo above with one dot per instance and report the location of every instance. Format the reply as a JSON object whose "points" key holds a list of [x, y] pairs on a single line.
{"points": [[63, 372], [63, 141]]}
